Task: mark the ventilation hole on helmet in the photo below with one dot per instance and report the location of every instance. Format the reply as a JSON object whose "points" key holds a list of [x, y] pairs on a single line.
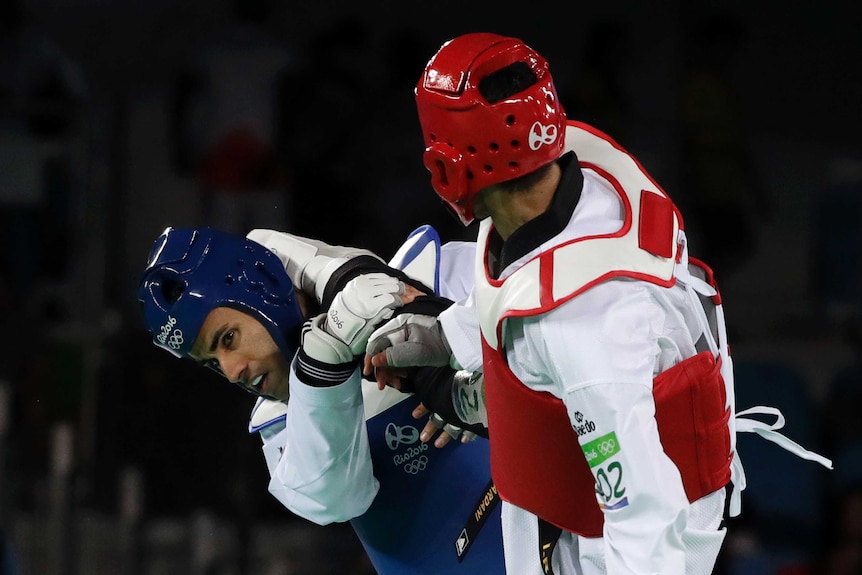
{"points": [[469, 174], [432, 136], [229, 280], [488, 168], [172, 290], [265, 271], [514, 165], [494, 146], [441, 173], [515, 144], [510, 119], [471, 150]]}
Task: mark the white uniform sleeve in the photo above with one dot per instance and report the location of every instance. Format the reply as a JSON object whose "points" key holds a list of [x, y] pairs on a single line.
{"points": [[598, 353], [457, 278], [324, 471], [461, 328], [643, 500]]}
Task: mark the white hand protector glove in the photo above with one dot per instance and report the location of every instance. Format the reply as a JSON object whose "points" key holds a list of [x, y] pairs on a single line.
{"points": [[319, 344], [364, 302], [332, 340], [411, 340]]}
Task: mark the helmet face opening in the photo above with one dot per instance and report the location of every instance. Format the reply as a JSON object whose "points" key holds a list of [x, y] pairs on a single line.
{"points": [[192, 271], [489, 113]]}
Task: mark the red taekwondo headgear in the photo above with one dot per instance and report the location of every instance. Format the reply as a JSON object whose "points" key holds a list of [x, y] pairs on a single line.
{"points": [[471, 142]]}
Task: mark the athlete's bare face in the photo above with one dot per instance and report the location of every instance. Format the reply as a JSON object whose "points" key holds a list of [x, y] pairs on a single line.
{"points": [[245, 352]]}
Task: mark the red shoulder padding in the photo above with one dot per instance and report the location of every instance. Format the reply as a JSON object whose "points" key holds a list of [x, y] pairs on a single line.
{"points": [[655, 224]]}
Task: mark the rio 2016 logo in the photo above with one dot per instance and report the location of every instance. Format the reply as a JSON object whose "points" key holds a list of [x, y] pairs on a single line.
{"points": [[169, 336], [396, 435], [333, 317], [412, 460]]}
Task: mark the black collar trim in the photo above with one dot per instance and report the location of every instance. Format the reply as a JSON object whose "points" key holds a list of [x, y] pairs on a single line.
{"points": [[547, 225]]}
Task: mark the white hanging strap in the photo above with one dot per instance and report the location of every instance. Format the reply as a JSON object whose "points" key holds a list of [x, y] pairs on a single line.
{"points": [[739, 484], [767, 431], [682, 272], [703, 288], [770, 433]]}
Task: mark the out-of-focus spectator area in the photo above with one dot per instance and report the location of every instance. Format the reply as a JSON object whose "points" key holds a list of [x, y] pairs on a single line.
{"points": [[118, 119]]}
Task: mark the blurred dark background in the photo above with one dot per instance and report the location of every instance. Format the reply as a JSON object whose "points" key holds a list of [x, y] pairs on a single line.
{"points": [[118, 119]]}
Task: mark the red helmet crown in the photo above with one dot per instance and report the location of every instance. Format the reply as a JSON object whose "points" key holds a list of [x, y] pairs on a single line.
{"points": [[473, 141]]}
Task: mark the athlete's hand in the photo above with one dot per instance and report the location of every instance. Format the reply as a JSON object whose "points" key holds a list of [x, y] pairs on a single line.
{"points": [[435, 423], [364, 302], [341, 333], [409, 340]]}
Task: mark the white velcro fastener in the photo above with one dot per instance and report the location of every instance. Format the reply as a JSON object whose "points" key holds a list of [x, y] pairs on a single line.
{"points": [[364, 302], [319, 344]]}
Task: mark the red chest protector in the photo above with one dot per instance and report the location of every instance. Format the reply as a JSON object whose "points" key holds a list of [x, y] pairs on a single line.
{"points": [[530, 462], [536, 460]]}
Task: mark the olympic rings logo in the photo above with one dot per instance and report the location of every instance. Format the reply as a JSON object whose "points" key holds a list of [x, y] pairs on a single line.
{"points": [[540, 134], [176, 339], [415, 466], [607, 446]]}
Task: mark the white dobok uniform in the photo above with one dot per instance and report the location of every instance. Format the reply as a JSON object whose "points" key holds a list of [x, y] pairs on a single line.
{"points": [[352, 453], [595, 340]]}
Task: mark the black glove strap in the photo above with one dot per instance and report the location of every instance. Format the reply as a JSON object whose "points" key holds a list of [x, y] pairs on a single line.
{"points": [[316, 373], [433, 385], [364, 265]]}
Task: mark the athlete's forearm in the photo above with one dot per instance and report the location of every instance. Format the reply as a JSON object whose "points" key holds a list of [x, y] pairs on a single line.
{"points": [[325, 472]]}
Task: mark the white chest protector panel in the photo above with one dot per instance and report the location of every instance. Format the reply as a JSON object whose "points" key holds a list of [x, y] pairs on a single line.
{"points": [[645, 247]]}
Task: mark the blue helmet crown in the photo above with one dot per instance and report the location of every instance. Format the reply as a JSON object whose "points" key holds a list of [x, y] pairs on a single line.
{"points": [[191, 271]]}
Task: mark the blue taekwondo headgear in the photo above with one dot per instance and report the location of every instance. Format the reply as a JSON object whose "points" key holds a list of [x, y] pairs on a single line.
{"points": [[192, 271]]}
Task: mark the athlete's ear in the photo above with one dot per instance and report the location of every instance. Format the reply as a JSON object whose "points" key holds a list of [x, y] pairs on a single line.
{"points": [[307, 304]]}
